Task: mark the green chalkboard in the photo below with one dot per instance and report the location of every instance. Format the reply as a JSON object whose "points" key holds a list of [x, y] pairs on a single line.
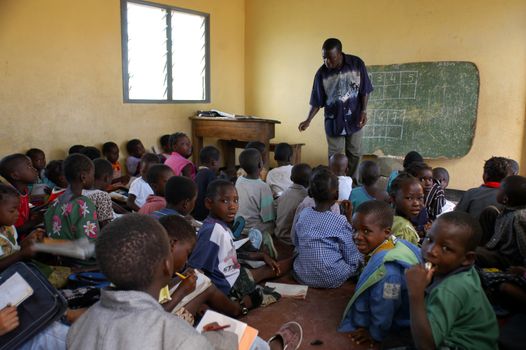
{"points": [[430, 107]]}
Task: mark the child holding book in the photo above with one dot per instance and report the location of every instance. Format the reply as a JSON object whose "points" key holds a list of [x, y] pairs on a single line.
{"points": [[181, 151], [379, 307]]}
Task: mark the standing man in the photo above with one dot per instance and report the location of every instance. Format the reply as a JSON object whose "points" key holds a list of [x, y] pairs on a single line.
{"points": [[342, 87]]}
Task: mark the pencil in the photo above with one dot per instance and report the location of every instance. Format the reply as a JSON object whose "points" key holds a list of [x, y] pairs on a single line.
{"points": [[181, 276]]}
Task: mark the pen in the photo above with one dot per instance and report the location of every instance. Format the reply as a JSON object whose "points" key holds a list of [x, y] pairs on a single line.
{"points": [[209, 328], [181, 276]]}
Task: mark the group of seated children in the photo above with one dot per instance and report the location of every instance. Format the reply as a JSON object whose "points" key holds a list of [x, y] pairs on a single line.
{"points": [[416, 263]]}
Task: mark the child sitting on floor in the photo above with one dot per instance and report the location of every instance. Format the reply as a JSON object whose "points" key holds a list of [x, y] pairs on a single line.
{"points": [[18, 172], [166, 149], [135, 151], [139, 188], [379, 305], [209, 159], [290, 200], [216, 255], [157, 177], [91, 152], [441, 175], [434, 199], [407, 195], [507, 245], [75, 149], [327, 255], [339, 164], [448, 307], [129, 315], [180, 194], [369, 174], [410, 158], [181, 151], [38, 159], [110, 150], [279, 177], [73, 216], [54, 175], [475, 200], [260, 146]]}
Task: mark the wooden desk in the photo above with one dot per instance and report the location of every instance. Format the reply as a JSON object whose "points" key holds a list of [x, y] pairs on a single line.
{"points": [[230, 132]]}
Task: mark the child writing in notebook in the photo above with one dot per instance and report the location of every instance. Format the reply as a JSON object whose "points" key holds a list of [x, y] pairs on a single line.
{"points": [[279, 177], [135, 151], [407, 196], [181, 151], [379, 307], [369, 174], [139, 188]]}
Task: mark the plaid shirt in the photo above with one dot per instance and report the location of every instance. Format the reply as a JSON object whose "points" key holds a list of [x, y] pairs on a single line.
{"points": [[327, 256]]}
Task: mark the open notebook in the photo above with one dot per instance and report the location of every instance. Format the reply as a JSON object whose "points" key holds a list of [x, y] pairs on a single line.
{"points": [[245, 334], [201, 285]]}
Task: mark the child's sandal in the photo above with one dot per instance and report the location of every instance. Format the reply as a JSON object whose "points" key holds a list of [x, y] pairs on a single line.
{"points": [[291, 335]]}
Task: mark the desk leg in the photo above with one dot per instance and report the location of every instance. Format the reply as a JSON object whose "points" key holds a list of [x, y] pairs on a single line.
{"points": [[229, 154]]}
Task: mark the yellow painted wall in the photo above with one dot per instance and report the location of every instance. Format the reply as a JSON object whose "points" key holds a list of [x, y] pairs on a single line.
{"points": [[283, 51], [61, 75]]}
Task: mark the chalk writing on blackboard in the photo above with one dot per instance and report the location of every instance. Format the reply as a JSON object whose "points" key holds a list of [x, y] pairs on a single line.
{"points": [[394, 85], [385, 124]]}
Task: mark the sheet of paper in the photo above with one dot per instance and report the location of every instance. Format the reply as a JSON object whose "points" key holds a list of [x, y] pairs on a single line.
{"points": [[14, 291], [289, 290], [238, 244], [236, 326]]}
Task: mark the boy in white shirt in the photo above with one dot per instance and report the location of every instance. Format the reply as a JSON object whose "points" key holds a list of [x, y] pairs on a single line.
{"points": [[139, 188], [279, 177], [339, 164]]}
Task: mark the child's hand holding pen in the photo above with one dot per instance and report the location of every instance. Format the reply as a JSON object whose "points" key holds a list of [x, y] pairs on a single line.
{"points": [[188, 281], [214, 326]]}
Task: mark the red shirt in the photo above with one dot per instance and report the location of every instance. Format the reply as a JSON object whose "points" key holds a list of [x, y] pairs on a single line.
{"points": [[23, 210]]}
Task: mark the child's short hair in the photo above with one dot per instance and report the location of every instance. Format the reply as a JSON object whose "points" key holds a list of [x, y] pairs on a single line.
{"points": [[165, 141], [178, 228], [496, 169], [415, 168], [322, 182], [400, 181], [9, 163], [514, 186], [155, 172], [208, 154], [54, 170], [441, 172], [300, 174], [90, 152], [412, 157], [131, 145], [260, 146], [102, 167], [369, 172], [75, 164], [282, 152], [108, 146], [178, 189], [33, 152], [383, 213], [174, 138], [7, 191], [130, 249], [249, 160], [216, 186], [150, 158], [467, 223], [75, 149]]}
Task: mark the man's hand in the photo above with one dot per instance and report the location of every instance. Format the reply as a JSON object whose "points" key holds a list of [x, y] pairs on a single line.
{"points": [[362, 336], [8, 319], [304, 125], [418, 278], [363, 119]]}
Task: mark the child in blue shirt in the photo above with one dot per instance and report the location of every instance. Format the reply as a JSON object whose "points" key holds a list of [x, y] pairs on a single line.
{"points": [[369, 174]]}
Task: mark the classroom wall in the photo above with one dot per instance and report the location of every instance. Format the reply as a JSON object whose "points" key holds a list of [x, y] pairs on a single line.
{"points": [[61, 75], [283, 51]]}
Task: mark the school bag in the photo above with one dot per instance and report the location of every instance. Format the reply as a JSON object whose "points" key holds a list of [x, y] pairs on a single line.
{"points": [[44, 306]]}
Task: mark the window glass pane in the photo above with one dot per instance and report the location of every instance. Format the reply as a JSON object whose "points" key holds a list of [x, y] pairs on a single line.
{"points": [[146, 52], [188, 56]]}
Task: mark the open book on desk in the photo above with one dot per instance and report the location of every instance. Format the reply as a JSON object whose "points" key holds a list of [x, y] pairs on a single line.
{"points": [[245, 334], [81, 249]]}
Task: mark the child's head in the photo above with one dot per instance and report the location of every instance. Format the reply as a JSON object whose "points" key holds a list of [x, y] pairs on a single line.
{"points": [[412, 157], [90, 152], [369, 172], [442, 176], [165, 143], [75, 149], [512, 191], [222, 200], [38, 158], [323, 185], [181, 144], [496, 169], [181, 193], [339, 163], [110, 150], [79, 169], [17, 168], [451, 242], [182, 239], [55, 173], [282, 153], [513, 167], [134, 253], [209, 156], [260, 146], [9, 203], [135, 148], [300, 174], [147, 160], [372, 222], [157, 177], [103, 173], [407, 195], [424, 173], [250, 161]]}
